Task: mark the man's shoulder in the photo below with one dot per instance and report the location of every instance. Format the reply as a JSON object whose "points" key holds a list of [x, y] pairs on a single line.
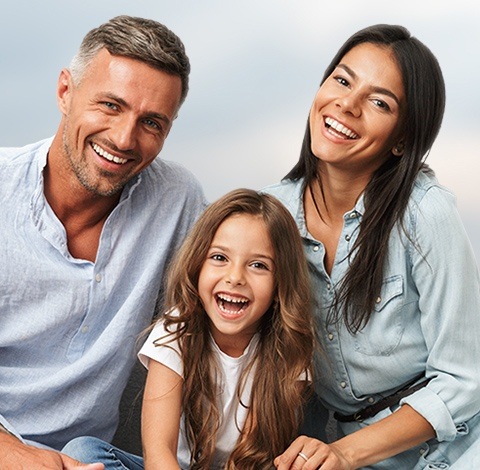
{"points": [[25, 154], [167, 185], [165, 175]]}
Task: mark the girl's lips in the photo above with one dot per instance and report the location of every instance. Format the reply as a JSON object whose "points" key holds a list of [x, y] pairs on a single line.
{"points": [[231, 305]]}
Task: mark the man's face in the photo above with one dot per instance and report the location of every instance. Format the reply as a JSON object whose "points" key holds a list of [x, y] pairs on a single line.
{"points": [[115, 120]]}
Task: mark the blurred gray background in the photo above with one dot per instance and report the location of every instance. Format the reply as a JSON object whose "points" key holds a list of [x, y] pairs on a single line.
{"points": [[256, 65]]}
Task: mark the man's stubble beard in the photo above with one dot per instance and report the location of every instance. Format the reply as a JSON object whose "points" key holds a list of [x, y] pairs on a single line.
{"points": [[80, 169]]}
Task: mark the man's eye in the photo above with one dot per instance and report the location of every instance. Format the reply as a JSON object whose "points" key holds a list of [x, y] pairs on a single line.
{"points": [[110, 105], [151, 123]]}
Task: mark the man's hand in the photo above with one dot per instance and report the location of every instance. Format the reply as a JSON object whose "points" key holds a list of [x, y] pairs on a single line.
{"points": [[15, 455]]}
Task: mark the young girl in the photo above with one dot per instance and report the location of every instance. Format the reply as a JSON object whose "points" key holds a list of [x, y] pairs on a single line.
{"points": [[228, 364]]}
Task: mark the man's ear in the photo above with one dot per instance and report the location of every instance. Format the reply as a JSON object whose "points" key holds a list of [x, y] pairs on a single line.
{"points": [[64, 90]]}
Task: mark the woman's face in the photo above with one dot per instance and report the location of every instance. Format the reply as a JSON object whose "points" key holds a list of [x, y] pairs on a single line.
{"points": [[357, 115]]}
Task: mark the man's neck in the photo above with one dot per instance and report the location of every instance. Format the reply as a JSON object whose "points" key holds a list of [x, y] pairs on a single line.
{"points": [[81, 212]]}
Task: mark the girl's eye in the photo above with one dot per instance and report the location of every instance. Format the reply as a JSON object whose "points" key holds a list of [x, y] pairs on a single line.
{"points": [[218, 257], [259, 265]]}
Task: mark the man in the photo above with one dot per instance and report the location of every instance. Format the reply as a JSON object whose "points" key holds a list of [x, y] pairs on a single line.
{"points": [[89, 221]]}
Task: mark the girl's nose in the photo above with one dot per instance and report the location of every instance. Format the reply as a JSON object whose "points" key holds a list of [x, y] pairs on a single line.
{"points": [[235, 275]]}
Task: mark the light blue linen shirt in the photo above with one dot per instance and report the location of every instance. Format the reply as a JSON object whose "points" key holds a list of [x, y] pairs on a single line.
{"points": [[69, 327], [426, 319]]}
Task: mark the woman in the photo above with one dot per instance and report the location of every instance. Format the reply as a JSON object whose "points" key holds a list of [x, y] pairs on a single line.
{"points": [[393, 272]]}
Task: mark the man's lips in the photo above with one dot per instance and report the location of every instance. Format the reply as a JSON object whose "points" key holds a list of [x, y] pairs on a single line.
{"points": [[108, 156]]}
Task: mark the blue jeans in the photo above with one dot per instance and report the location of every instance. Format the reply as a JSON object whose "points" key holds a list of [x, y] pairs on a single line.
{"points": [[93, 450]]}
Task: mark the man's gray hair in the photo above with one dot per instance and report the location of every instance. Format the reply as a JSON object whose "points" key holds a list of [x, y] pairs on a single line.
{"points": [[140, 39]]}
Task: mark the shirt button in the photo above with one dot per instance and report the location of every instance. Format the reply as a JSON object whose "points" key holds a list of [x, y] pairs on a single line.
{"points": [[343, 384], [330, 336], [316, 248], [347, 237], [98, 277], [378, 300], [84, 329], [371, 400], [353, 215], [329, 286]]}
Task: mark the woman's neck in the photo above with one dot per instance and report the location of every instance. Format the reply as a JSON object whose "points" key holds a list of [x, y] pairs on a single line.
{"points": [[326, 200]]}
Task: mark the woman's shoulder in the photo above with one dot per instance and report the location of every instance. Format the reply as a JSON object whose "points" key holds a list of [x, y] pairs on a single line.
{"points": [[289, 192], [432, 208], [429, 195]]}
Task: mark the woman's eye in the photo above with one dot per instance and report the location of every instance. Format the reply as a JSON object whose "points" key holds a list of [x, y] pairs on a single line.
{"points": [[381, 104], [342, 81]]}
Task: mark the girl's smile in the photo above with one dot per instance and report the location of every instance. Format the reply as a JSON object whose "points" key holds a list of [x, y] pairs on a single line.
{"points": [[236, 282]]}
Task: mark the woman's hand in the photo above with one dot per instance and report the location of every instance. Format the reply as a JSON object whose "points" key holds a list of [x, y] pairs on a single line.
{"points": [[306, 453]]}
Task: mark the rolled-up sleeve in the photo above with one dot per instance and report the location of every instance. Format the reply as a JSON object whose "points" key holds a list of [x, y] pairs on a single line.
{"points": [[445, 274]]}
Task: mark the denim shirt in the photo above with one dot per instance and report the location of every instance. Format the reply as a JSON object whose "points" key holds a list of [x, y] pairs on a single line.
{"points": [[69, 327], [426, 318]]}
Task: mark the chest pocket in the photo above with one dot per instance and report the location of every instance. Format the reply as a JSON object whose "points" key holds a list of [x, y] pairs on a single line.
{"points": [[383, 332]]}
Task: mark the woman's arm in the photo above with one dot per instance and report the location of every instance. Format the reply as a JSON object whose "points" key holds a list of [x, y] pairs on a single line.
{"points": [[161, 412], [396, 433]]}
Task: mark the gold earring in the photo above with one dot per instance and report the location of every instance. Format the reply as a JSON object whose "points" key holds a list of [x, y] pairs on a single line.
{"points": [[397, 150]]}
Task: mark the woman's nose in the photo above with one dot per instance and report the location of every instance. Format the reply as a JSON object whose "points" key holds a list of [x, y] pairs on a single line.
{"points": [[350, 103]]}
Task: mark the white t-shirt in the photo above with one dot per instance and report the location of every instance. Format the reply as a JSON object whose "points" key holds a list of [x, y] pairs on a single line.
{"points": [[233, 413]]}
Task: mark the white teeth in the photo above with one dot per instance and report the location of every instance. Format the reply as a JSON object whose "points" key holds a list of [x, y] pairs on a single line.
{"points": [[227, 298], [340, 128], [108, 156], [222, 299]]}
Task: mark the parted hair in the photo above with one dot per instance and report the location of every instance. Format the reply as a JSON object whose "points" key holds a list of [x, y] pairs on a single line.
{"points": [[284, 351], [141, 39], [387, 194]]}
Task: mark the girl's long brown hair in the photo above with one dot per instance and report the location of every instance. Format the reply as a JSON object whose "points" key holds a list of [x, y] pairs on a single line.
{"points": [[285, 348]]}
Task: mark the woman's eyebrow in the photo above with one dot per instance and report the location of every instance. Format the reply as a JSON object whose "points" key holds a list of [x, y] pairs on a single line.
{"points": [[376, 89]]}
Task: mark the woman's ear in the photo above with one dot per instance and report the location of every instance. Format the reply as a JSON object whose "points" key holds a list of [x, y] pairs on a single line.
{"points": [[398, 149]]}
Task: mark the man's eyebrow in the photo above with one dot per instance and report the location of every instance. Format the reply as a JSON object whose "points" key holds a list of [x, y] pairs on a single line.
{"points": [[376, 89], [122, 102]]}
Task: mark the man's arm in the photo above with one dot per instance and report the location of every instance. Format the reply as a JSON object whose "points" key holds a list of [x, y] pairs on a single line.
{"points": [[15, 455]]}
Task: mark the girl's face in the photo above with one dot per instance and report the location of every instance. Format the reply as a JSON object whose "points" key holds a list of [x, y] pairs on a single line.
{"points": [[237, 281], [357, 115]]}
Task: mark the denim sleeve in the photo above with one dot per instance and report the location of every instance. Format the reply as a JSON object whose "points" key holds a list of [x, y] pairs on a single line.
{"points": [[446, 275]]}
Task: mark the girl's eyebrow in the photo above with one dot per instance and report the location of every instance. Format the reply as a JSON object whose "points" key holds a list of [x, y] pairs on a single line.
{"points": [[376, 89], [253, 255]]}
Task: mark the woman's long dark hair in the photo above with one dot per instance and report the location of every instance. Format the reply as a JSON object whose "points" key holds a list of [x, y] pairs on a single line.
{"points": [[386, 195]]}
